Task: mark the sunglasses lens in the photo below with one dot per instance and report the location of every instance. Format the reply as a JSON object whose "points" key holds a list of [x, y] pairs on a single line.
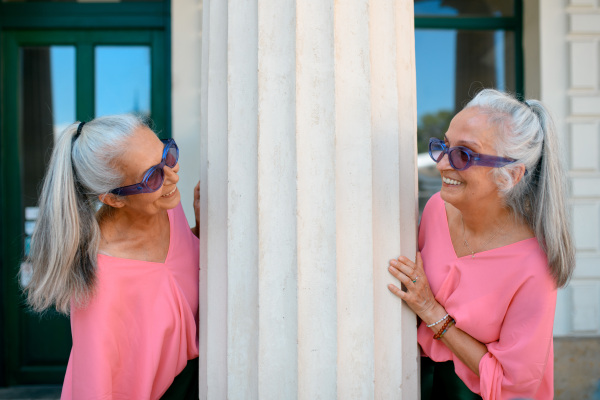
{"points": [[171, 158], [436, 151], [459, 158], [155, 179]]}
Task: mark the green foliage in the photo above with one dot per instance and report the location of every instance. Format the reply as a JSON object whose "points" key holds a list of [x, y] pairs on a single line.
{"points": [[432, 125]]}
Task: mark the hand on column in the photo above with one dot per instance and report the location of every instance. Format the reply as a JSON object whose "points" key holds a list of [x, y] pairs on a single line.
{"points": [[196, 229], [418, 295]]}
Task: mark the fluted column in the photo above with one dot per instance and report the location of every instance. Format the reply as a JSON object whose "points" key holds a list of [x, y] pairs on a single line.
{"points": [[308, 189]]}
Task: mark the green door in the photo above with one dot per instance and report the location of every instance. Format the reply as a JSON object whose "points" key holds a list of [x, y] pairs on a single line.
{"points": [[51, 78]]}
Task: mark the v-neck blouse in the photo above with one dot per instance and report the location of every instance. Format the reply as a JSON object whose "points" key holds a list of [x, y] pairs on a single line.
{"points": [[140, 328], [504, 298]]}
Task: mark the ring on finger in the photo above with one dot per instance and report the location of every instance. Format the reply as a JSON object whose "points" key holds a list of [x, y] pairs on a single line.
{"points": [[415, 280]]}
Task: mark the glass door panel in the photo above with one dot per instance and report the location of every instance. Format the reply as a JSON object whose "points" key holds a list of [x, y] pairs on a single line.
{"points": [[123, 80], [465, 61], [48, 96], [47, 93], [50, 79]]}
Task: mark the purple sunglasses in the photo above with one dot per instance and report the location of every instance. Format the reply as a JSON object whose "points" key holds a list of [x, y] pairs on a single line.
{"points": [[461, 158], [154, 177]]}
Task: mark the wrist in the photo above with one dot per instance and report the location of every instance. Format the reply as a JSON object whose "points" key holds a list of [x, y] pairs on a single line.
{"points": [[436, 316]]}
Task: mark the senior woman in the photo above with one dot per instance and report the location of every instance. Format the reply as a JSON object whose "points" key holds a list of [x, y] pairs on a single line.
{"points": [[127, 273], [494, 246]]}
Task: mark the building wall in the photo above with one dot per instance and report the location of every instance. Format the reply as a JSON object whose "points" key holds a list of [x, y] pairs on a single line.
{"points": [[562, 68], [565, 73], [569, 73], [583, 141]]}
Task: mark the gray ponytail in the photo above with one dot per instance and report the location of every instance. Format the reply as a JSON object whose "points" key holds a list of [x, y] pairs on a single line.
{"points": [[526, 133], [65, 240]]}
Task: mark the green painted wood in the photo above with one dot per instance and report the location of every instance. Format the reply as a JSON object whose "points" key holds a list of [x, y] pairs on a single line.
{"points": [[10, 206], [158, 98], [26, 335], [84, 81], [465, 23], [77, 15]]}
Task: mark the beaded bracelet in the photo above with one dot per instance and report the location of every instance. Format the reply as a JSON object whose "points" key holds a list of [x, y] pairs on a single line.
{"points": [[447, 325], [437, 322], [442, 329]]}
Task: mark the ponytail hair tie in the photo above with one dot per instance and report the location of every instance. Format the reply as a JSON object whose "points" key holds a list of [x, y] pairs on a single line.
{"points": [[524, 102], [78, 131]]}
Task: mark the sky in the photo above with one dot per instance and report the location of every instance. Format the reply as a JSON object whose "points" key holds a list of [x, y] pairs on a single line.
{"points": [[122, 81]]}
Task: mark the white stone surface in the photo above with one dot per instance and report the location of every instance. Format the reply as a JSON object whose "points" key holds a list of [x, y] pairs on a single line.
{"points": [[242, 202], [585, 146], [588, 3], [586, 186], [584, 65], [585, 23], [586, 314], [315, 143], [277, 265], [565, 69], [586, 105], [587, 267], [308, 189], [214, 285], [564, 309], [569, 79], [586, 219]]}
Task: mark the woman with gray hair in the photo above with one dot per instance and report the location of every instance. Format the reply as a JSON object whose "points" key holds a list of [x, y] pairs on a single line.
{"points": [[113, 249], [494, 246]]}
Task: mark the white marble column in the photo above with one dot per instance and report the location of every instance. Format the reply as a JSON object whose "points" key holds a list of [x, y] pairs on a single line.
{"points": [[309, 187]]}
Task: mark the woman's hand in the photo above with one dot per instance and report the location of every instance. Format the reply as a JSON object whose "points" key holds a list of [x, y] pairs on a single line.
{"points": [[420, 299], [196, 229], [418, 295]]}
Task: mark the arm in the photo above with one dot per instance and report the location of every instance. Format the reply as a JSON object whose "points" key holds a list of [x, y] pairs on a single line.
{"points": [[196, 229], [515, 364]]}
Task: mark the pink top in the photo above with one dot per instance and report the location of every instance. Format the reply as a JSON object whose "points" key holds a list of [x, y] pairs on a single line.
{"points": [[140, 328], [504, 298]]}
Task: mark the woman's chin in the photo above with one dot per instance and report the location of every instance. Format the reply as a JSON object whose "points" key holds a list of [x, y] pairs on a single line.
{"points": [[172, 199]]}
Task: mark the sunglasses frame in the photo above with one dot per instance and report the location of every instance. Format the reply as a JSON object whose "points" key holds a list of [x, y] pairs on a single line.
{"points": [[473, 158], [142, 187]]}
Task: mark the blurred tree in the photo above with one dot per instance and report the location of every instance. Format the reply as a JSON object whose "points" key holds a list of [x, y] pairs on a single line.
{"points": [[432, 125]]}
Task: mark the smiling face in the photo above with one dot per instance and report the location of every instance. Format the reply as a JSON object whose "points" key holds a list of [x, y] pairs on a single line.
{"points": [[473, 187], [144, 150]]}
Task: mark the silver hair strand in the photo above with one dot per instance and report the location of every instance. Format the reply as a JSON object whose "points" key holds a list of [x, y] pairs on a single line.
{"points": [[65, 240], [526, 133]]}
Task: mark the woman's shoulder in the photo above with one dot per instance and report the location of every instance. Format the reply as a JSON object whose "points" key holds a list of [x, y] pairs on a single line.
{"points": [[526, 262], [181, 231], [177, 216]]}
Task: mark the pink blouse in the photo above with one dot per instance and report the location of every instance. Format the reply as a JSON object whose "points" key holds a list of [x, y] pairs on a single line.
{"points": [[140, 328], [504, 298]]}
